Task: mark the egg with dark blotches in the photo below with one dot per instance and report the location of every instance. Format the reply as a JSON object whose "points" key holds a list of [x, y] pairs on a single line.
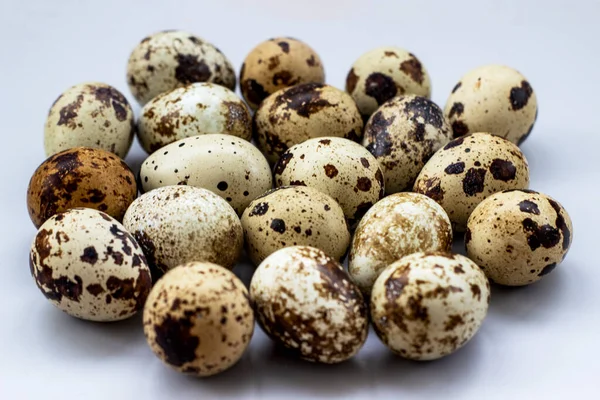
{"points": [[305, 301]]}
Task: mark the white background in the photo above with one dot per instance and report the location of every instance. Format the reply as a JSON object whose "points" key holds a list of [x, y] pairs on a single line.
{"points": [[537, 342]]}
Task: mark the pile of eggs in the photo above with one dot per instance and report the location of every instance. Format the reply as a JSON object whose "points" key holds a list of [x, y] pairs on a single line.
{"points": [[300, 174]]}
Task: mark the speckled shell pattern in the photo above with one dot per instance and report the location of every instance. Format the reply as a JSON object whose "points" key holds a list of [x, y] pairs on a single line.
{"points": [[306, 302], [170, 59], [518, 236], [276, 64], [384, 73], [80, 177], [228, 166], [294, 215], [428, 305], [338, 167], [469, 169], [303, 112], [397, 226], [403, 134], [196, 109], [91, 114], [198, 319], [495, 99], [88, 266], [179, 224]]}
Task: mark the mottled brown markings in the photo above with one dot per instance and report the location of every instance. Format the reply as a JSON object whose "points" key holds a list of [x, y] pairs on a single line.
{"points": [[390, 54], [561, 224], [379, 141], [458, 269], [95, 289], [413, 68], [455, 169], [351, 81], [476, 291], [473, 182], [452, 322], [330, 170], [311, 61], [278, 225], [176, 340], [253, 91], [363, 184], [519, 96], [305, 99], [325, 141], [283, 162], [167, 124], [380, 87], [459, 128], [109, 96], [432, 188], [285, 46], [89, 255], [149, 249], [68, 113], [528, 206], [546, 235], [421, 107], [326, 207], [190, 69], [284, 78], [468, 236], [454, 143], [456, 87], [273, 62], [547, 269], [503, 170], [364, 162], [237, 114], [297, 183], [457, 109]]}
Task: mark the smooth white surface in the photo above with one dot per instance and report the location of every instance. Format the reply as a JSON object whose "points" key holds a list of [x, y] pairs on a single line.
{"points": [[538, 342]]}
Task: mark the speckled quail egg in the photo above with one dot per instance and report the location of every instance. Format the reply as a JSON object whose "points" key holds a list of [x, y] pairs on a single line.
{"points": [[518, 236], [88, 266], [495, 99], [428, 305], [198, 319], [403, 134], [80, 177], [276, 64], [383, 73], [306, 302], [469, 169], [228, 166], [178, 224], [90, 114], [293, 115], [396, 226], [170, 59], [294, 215], [338, 167], [196, 109]]}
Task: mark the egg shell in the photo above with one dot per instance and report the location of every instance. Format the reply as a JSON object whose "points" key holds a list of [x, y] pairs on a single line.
{"points": [[469, 169], [294, 215], [338, 167], [403, 134], [428, 305], [89, 266], [80, 177], [170, 59], [306, 302], [396, 226], [179, 224], [91, 114], [276, 64], [198, 319], [518, 236], [383, 73], [195, 109], [294, 115], [495, 99], [228, 166]]}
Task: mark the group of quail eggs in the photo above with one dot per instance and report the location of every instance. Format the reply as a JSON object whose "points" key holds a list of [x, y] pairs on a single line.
{"points": [[300, 174]]}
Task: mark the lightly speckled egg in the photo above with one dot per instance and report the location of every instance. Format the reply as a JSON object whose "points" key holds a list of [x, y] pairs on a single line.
{"points": [[226, 165], [495, 99], [518, 236], [294, 215], [198, 319], [428, 305], [276, 64], [469, 169], [306, 302], [195, 109], [383, 73], [179, 224], [88, 266], [293, 115], [396, 226], [80, 177], [90, 114], [169, 59], [339, 167], [403, 134]]}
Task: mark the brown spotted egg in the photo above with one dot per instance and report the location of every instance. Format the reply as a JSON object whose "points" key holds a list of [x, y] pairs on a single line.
{"points": [[396, 226], [305, 301], [469, 169], [518, 236], [89, 266], [170, 59], [90, 114], [198, 319], [294, 215], [338, 167], [428, 305], [276, 64], [294, 115], [402, 135], [495, 99]]}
